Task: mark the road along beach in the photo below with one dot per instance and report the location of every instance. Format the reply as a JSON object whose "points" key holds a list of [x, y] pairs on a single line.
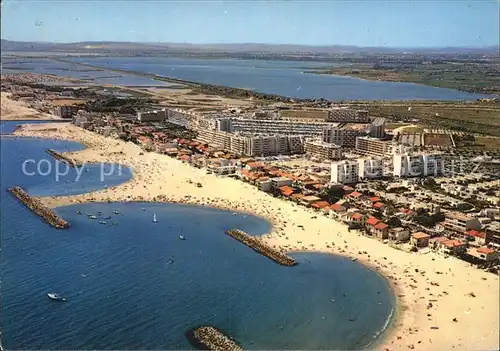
{"points": [[433, 292]]}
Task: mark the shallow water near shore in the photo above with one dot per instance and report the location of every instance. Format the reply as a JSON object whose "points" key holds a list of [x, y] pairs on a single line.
{"points": [[133, 284]]}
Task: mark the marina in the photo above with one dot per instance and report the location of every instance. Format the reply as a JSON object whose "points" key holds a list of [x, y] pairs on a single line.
{"points": [[263, 249]]}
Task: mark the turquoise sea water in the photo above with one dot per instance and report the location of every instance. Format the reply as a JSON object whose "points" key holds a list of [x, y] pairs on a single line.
{"points": [[135, 285]]}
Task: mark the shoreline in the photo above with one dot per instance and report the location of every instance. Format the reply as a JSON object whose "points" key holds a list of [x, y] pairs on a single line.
{"points": [[410, 315]]}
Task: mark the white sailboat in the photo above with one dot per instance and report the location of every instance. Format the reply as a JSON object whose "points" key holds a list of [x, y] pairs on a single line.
{"points": [[154, 218]]}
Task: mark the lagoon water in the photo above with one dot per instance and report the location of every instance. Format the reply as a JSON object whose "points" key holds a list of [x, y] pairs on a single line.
{"points": [[125, 292], [94, 76], [286, 78]]}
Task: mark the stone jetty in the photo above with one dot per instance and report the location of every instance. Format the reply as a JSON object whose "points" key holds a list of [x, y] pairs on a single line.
{"points": [[260, 247], [211, 338], [65, 159], [39, 208]]}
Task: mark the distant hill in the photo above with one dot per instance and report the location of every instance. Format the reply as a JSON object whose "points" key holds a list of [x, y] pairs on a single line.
{"points": [[106, 47]]}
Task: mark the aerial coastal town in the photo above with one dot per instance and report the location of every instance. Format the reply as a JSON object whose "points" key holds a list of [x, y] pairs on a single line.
{"points": [[403, 186]]}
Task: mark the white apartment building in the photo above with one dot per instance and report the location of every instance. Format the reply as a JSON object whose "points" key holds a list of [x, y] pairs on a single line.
{"points": [[340, 136], [280, 181], [418, 165], [322, 150], [333, 135], [377, 128], [151, 116], [371, 146], [274, 126], [263, 145], [344, 115], [460, 222], [433, 164], [344, 172], [371, 168]]}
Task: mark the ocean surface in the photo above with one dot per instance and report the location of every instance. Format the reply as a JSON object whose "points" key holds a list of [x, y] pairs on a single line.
{"points": [[132, 284], [286, 78]]}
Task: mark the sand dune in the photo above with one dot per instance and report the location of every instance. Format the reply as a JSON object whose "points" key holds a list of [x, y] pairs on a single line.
{"points": [[414, 276]]}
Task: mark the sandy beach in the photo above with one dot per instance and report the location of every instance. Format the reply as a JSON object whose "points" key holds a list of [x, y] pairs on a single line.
{"points": [[432, 291], [14, 110]]}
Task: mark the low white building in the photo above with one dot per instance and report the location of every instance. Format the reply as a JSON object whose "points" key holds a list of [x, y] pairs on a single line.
{"points": [[344, 172], [370, 168], [419, 165], [280, 181], [265, 185]]}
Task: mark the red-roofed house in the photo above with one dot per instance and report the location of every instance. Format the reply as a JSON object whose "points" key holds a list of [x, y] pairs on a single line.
{"points": [[484, 253], [435, 243], [337, 210], [407, 212], [379, 206], [353, 217], [297, 196], [372, 221], [286, 190], [374, 199], [354, 195], [476, 238], [420, 239], [381, 230], [253, 166], [452, 247], [320, 204]]}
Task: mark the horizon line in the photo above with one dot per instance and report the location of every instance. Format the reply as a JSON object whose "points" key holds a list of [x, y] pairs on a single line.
{"points": [[256, 43]]}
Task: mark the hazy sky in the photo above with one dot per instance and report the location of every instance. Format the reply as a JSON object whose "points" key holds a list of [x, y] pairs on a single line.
{"points": [[363, 23]]}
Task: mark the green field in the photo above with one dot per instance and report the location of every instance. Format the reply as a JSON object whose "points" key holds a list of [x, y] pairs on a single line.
{"points": [[481, 77], [473, 117]]}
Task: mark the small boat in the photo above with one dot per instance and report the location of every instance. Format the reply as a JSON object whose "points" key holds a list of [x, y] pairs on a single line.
{"points": [[154, 218], [107, 217], [115, 223], [102, 222], [143, 209], [354, 259], [332, 300], [181, 237], [116, 212], [92, 217], [79, 212], [56, 297]]}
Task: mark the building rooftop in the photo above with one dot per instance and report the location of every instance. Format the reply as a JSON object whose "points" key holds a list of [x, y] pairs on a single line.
{"points": [[357, 216], [476, 233], [320, 204], [458, 216], [452, 243], [337, 207], [372, 221], [485, 250], [420, 235], [381, 226]]}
